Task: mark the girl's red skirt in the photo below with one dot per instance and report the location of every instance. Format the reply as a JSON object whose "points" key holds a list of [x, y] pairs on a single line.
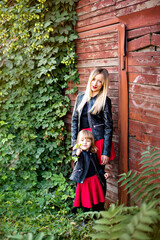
{"points": [[90, 191]]}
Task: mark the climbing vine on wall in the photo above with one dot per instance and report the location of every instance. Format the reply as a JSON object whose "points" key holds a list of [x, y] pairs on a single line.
{"points": [[37, 62]]}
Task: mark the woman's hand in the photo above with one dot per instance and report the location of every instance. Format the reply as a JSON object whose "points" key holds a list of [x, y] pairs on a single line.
{"points": [[104, 159]]}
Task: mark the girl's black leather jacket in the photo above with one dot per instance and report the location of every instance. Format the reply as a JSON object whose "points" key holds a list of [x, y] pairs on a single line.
{"points": [[101, 124], [82, 165]]}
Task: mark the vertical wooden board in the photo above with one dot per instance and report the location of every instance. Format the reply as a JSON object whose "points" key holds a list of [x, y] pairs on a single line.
{"points": [[123, 112], [144, 86]]}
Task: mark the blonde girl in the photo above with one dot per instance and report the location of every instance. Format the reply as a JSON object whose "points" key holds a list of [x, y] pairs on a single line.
{"points": [[88, 174]]}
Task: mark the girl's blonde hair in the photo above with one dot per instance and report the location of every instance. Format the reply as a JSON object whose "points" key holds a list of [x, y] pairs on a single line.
{"points": [[88, 135], [101, 98]]}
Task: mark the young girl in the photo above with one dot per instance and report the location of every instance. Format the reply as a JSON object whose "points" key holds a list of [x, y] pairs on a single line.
{"points": [[88, 174]]}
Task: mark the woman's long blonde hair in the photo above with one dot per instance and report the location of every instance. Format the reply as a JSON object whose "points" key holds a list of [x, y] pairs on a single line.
{"points": [[101, 97]]}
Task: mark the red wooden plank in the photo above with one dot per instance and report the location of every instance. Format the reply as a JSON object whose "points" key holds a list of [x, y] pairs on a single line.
{"points": [[136, 146], [127, 3], [151, 140], [143, 117], [82, 3], [143, 18], [143, 31], [140, 53], [97, 55], [145, 128], [139, 43], [84, 48], [111, 36], [90, 21], [144, 79], [155, 28], [98, 63], [143, 69], [145, 103], [96, 13], [99, 5], [96, 26], [144, 89], [144, 61], [137, 7], [155, 40]]}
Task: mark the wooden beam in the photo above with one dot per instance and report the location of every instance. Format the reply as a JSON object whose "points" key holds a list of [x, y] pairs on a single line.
{"points": [[123, 111]]}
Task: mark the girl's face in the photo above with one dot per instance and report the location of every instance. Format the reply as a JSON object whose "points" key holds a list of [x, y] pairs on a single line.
{"points": [[85, 143], [96, 84]]}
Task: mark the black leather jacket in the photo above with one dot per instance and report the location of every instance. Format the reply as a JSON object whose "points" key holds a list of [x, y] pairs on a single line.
{"points": [[101, 124], [82, 165]]}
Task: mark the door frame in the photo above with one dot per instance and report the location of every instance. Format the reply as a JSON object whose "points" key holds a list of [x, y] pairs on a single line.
{"points": [[123, 92], [123, 111]]}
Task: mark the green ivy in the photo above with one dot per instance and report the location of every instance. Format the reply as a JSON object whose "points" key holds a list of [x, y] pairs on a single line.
{"points": [[37, 67]]}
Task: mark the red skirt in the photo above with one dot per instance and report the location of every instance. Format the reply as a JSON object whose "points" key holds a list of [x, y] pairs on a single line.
{"points": [[99, 145], [89, 192]]}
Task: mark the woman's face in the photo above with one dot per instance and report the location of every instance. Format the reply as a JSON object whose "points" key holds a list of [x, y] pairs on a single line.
{"points": [[97, 83]]}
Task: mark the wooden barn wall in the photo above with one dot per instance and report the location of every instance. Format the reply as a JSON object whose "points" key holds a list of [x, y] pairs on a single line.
{"points": [[98, 46], [144, 90]]}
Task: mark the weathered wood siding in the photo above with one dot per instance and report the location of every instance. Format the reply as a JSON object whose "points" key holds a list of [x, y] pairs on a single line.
{"points": [[98, 46], [144, 90]]}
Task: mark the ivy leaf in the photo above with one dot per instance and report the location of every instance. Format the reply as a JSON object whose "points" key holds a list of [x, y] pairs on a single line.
{"points": [[30, 64], [9, 64], [47, 23], [42, 62]]}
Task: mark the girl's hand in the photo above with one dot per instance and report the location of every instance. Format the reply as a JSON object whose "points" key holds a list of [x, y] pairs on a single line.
{"points": [[104, 159], [78, 152], [107, 175]]}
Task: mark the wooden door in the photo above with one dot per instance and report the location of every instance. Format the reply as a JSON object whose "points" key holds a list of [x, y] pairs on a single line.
{"points": [[105, 47]]}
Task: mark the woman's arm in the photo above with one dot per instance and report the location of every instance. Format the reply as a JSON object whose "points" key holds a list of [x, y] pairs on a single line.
{"points": [[108, 130], [74, 124]]}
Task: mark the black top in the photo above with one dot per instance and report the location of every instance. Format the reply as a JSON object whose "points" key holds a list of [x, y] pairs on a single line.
{"points": [[84, 123], [84, 118], [91, 170]]}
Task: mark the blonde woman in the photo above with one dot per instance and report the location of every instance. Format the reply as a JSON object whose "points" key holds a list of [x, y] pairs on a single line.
{"points": [[92, 112]]}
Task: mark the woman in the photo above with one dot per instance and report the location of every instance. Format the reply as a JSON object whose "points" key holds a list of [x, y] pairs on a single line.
{"points": [[92, 111]]}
